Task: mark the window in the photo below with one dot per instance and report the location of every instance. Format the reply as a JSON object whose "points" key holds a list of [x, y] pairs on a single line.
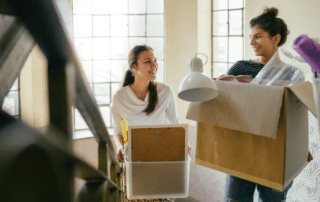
{"points": [[228, 37], [104, 32], [11, 102]]}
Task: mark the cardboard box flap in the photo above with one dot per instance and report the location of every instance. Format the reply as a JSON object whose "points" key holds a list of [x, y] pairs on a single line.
{"points": [[244, 107], [304, 92]]}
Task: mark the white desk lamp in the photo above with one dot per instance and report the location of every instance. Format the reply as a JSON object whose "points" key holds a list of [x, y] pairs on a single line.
{"points": [[197, 87]]}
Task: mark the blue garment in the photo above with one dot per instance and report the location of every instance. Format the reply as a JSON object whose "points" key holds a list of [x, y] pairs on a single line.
{"points": [[241, 190]]}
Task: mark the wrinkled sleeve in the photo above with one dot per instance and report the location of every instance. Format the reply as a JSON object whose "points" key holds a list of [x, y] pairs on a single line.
{"points": [[171, 111], [116, 116], [236, 69]]}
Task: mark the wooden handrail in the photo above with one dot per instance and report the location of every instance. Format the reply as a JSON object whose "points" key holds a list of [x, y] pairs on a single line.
{"points": [[15, 46], [45, 24]]}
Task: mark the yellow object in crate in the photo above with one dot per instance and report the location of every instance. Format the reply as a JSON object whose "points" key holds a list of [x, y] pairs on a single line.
{"points": [[124, 131]]}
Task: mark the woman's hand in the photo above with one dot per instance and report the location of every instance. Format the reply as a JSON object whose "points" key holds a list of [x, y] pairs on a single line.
{"points": [[120, 154], [189, 151], [244, 78], [227, 78], [240, 78]]}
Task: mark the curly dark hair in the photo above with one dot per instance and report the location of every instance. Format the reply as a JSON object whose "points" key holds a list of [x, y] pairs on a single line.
{"points": [[269, 22]]}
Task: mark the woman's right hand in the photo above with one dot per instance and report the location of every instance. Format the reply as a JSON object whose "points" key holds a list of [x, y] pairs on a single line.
{"points": [[239, 78], [120, 155], [227, 78]]}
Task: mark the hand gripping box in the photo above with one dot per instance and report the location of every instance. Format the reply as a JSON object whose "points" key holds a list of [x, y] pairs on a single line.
{"points": [[158, 164], [255, 132]]}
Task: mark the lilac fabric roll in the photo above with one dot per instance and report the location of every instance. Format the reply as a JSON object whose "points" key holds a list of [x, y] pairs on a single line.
{"points": [[309, 50]]}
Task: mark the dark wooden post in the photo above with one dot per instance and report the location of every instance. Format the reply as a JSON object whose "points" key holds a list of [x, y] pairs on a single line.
{"points": [[61, 96]]}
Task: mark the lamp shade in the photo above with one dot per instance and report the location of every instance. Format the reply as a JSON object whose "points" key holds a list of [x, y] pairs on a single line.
{"points": [[197, 87]]}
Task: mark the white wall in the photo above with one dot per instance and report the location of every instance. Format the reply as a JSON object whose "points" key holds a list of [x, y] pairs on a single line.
{"points": [[34, 90], [181, 45]]}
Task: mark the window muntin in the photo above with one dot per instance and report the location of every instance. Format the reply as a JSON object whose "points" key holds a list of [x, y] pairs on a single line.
{"points": [[104, 32], [227, 34]]}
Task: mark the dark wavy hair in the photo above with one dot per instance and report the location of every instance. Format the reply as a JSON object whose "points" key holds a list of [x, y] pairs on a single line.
{"points": [[269, 22], [129, 77]]}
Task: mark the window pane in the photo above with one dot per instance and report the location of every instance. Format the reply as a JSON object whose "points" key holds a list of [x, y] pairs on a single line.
{"points": [[101, 71], [235, 48], [101, 48], [82, 6], [102, 41], [230, 65], [155, 25], [119, 25], [102, 93], [220, 69], [100, 6], [157, 45], [137, 6], [155, 6], [15, 85], [82, 25], [84, 48], [220, 4], [87, 68], [220, 49], [114, 89], [119, 47], [220, 23], [235, 22], [235, 4], [160, 72], [106, 115], [101, 26], [11, 103], [118, 68], [136, 41], [137, 25], [119, 7], [80, 124]]}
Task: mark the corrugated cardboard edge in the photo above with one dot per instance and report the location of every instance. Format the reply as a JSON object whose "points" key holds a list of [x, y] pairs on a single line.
{"points": [[296, 158], [304, 92], [295, 175], [251, 178]]}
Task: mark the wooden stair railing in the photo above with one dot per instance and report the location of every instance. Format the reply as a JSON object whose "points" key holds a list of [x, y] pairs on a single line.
{"points": [[68, 88], [16, 43]]}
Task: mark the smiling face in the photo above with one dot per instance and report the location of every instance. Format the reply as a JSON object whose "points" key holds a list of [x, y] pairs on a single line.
{"points": [[262, 44], [146, 67]]}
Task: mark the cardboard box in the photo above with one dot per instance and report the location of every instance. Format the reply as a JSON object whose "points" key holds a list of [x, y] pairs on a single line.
{"points": [[158, 164], [255, 132]]}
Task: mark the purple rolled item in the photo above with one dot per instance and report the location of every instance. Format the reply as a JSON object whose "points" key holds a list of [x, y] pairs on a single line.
{"points": [[309, 50]]}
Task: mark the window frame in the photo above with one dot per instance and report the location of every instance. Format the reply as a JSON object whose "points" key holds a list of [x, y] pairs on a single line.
{"points": [[214, 63], [111, 83]]}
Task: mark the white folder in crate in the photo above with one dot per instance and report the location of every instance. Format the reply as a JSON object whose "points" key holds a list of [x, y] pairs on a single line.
{"points": [[158, 164]]}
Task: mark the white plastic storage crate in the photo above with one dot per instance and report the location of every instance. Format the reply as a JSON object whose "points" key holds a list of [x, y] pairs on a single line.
{"points": [[155, 180]]}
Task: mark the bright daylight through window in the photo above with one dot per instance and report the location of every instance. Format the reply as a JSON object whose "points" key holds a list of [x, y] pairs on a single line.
{"points": [[104, 32], [228, 34], [11, 103]]}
